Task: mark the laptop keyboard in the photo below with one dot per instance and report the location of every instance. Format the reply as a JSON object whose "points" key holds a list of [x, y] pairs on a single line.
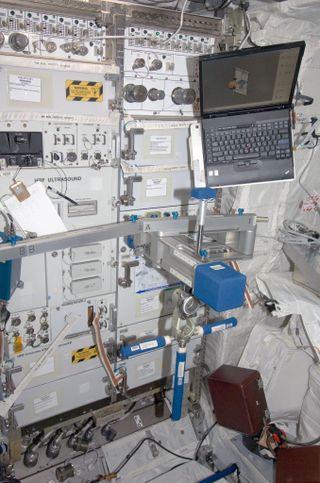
{"points": [[245, 145]]}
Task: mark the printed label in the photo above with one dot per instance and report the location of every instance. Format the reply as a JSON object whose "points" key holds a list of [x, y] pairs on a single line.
{"points": [[146, 370], [45, 402], [151, 344], [84, 91], [181, 369], [84, 354], [217, 267], [156, 187], [24, 88], [160, 145], [149, 303]]}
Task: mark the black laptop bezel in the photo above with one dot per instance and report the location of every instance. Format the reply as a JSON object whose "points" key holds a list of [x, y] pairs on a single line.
{"points": [[252, 50]]}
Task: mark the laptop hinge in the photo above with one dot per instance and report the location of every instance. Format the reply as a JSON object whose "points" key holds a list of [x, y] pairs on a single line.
{"points": [[247, 111]]}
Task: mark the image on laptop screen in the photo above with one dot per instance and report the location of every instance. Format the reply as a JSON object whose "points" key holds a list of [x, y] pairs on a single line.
{"points": [[237, 82]]}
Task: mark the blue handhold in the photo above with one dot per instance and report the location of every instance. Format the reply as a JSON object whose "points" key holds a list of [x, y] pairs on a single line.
{"points": [[175, 215], [203, 253], [203, 193], [130, 241], [240, 211], [133, 218]]}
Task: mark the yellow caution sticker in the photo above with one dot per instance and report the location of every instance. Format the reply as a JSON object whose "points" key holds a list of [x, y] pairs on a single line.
{"points": [[84, 354], [84, 91]]}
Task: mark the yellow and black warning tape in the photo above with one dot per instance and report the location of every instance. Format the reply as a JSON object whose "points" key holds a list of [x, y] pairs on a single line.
{"points": [[84, 91], [84, 354]]}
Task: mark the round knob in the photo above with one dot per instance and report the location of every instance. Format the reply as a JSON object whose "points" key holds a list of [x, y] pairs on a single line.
{"points": [[156, 64], [133, 93], [97, 156], [44, 339], [85, 156], [80, 50], [71, 157], [139, 63], [31, 318], [1, 39], [156, 95], [50, 46], [18, 42], [56, 157], [16, 321], [183, 96]]}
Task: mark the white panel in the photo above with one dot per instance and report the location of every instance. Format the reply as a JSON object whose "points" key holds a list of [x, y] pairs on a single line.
{"points": [[54, 92], [33, 290]]}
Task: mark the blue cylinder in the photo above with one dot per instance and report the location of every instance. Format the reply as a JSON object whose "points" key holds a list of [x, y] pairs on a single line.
{"points": [[219, 325], [179, 383], [137, 348]]}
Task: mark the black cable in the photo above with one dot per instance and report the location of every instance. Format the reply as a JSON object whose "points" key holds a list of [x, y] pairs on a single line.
{"points": [[138, 446], [202, 440], [168, 471]]}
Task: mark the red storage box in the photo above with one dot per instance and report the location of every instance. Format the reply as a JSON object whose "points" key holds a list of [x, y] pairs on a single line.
{"points": [[238, 398]]}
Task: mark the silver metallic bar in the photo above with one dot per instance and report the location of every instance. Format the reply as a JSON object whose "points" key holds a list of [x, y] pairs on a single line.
{"points": [[163, 227]]}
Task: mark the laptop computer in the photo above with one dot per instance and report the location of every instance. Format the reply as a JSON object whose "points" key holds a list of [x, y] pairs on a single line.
{"points": [[246, 102]]}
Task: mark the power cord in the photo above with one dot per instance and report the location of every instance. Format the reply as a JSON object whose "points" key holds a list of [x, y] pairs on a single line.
{"points": [[196, 455], [128, 457]]}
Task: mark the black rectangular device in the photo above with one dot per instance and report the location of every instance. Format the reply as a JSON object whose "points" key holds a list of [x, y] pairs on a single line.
{"points": [[246, 101]]}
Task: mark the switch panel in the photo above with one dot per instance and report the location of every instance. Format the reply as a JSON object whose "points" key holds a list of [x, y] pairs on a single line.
{"points": [[34, 34], [161, 75]]}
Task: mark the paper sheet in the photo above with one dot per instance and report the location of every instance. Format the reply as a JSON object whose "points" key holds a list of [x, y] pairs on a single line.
{"points": [[37, 213]]}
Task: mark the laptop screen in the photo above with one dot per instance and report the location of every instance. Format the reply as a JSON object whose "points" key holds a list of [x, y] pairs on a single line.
{"points": [[249, 78]]}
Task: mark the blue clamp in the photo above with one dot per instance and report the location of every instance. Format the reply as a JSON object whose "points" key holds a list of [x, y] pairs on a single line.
{"points": [[130, 242], [203, 253], [175, 215], [133, 218], [12, 239], [240, 211], [203, 193]]}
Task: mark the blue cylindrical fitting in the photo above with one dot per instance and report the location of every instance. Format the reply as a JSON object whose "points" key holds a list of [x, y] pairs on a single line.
{"points": [[219, 325], [137, 348], [179, 384]]}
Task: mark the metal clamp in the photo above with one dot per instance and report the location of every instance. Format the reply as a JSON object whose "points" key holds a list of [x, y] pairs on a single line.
{"points": [[128, 199], [126, 281], [130, 152]]}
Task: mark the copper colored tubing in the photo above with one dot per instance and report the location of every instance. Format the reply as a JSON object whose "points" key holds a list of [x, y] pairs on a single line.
{"points": [[115, 379]]}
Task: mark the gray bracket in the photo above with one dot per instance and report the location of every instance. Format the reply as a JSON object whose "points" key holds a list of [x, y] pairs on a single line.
{"points": [[126, 281], [128, 199]]}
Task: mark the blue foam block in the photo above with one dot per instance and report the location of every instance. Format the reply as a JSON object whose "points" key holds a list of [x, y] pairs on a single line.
{"points": [[219, 286]]}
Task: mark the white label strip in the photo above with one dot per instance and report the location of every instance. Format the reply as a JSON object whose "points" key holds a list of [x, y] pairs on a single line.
{"points": [[151, 344]]}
